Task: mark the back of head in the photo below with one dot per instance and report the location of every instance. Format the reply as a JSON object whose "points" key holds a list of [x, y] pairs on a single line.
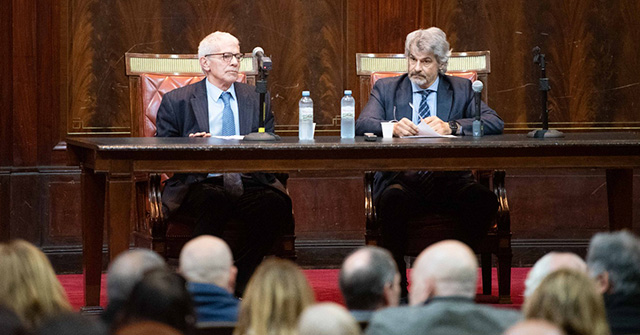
{"points": [[275, 297], [534, 327], [148, 328], [207, 259], [430, 40], [364, 276], [551, 262], [618, 254], [128, 269], [72, 324], [327, 319], [159, 296], [568, 299], [28, 283], [446, 268]]}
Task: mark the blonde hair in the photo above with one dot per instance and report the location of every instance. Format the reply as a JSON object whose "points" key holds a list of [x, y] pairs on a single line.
{"points": [[275, 297], [569, 299], [28, 283]]}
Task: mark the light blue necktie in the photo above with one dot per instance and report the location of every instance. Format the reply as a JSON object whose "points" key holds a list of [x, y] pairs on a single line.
{"points": [[232, 181], [228, 123], [424, 111]]}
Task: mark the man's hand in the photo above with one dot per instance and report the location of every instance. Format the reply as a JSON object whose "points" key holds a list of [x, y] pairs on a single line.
{"points": [[438, 125], [405, 127], [200, 134]]}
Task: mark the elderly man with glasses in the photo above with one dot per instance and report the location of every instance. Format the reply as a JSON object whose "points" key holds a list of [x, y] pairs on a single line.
{"points": [[220, 106]]}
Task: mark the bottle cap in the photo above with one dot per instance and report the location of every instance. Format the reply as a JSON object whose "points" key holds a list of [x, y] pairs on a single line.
{"points": [[305, 93], [347, 92]]}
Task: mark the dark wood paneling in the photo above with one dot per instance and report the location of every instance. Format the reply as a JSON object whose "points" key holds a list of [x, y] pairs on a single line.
{"points": [[6, 86]]}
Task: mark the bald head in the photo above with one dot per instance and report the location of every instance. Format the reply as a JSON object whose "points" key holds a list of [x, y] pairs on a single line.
{"points": [[534, 327], [208, 259], [327, 319], [549, 263], [447, 268], [369, 279]]}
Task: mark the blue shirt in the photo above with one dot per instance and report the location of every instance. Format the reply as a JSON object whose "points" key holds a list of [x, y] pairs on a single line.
{"points": [[216, 105], [432, 99]]}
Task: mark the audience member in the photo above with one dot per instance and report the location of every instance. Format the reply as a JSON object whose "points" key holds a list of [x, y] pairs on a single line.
{"points": [[551, 262], [534, 327], [443, 286], [207, 264], [160, 296], [327, 319], [124, 273], [148, 328], [28, 283], [10, 323], [72, 324], [614, 261], [369, 280], [568, 299], [275, 297]]}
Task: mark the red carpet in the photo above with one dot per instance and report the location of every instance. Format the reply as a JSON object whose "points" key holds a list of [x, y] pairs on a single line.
{"points": [[324, 283]]}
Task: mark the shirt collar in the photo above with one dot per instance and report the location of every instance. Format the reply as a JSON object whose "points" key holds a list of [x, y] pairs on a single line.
{"points": [[433, 87], [215, 92]]}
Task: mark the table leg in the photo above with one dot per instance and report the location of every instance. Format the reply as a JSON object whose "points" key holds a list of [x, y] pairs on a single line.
{"points": [[92, 199], [620, 198], [119, 211]]}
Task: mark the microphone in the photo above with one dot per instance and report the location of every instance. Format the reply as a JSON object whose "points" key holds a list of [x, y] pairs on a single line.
{"points": [[477, 126], [264, 62]]}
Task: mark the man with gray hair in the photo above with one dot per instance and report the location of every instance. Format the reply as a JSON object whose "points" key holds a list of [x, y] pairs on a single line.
{"points": [[551, 262], [256, 203], [443, 286], [327, 318], [426, 95], [613, 260], [124, 273], [207, 264], [369, 280]]}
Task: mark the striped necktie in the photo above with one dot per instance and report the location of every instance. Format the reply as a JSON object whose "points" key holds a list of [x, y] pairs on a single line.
{"points": [[424, 111], [228, 123]]}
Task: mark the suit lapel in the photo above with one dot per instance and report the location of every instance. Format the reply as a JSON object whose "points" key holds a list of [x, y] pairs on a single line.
{"points": [[200, 106], [245, 116], [404, 95], [445, 99]]}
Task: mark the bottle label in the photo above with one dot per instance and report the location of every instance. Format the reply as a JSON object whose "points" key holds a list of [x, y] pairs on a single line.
{"points": [[306, 114], [348, 113]]}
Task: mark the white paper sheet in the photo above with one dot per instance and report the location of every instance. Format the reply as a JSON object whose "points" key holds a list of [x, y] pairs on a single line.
{"points": [[425, 130]]}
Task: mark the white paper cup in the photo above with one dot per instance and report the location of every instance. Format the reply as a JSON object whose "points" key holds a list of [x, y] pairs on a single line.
{"points": [[387, 129]]}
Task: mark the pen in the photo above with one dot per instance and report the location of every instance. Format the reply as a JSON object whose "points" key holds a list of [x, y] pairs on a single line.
{"points": [[420, 116]]}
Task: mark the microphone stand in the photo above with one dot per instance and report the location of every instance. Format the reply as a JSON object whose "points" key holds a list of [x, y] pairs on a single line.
{"points": [[545, 132], [261, 88]]}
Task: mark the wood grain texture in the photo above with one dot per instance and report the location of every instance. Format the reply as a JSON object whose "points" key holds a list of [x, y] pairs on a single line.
{"points": [[6, 86]]}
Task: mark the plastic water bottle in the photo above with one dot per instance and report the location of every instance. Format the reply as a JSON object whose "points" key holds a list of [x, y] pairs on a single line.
{"points": [[305, 125], [347, 115]]}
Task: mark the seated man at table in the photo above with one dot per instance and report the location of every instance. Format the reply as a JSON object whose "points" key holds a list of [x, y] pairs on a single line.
{"points": [[426, 94], [220, 106]]}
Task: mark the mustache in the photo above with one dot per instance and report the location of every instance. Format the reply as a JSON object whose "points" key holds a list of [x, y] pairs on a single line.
{"points": [[417, 74]]}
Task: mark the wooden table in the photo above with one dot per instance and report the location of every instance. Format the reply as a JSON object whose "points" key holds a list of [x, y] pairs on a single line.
{"points": [[109, 163]]}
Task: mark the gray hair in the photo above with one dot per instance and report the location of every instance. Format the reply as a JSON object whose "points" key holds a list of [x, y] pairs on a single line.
{"points": [[128, 269], [618, 254], [206, 259], [327, 318], [430, 40], [363, 286], [209, 44]]}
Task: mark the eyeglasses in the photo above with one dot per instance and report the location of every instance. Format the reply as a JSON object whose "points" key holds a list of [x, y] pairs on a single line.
{"points": [[226, 56]]}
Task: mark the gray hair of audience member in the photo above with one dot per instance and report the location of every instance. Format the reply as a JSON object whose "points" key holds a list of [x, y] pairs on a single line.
{"points": [[551, 262], [618, 256], [364, 275], [128, 269], [327, 318], [430, 40], [534, 327], [208, 259], [446, 268], [209, 44]]}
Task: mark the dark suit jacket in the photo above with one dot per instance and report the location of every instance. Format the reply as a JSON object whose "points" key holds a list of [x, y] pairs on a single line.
{"points": [[185, 110], [443, 315], [454, 101]]}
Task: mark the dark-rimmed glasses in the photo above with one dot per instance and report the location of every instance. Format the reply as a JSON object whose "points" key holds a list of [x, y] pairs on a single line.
{"points": [[226, 56]]}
